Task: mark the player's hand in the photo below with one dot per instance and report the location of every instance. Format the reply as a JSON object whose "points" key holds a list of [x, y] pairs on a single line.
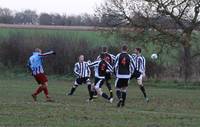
{"points": [[54, 53], [88, 61]]}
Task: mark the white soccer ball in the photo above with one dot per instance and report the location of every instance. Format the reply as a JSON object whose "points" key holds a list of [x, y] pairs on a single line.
{"points": [[154, 56]]}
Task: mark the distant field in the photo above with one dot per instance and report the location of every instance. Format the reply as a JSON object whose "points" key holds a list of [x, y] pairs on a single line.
{"points": [[174, 106]]}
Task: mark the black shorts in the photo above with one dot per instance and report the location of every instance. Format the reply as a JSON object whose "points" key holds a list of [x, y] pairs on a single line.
{"points": [[121, 82], [108, 76], [80, 81], [136, 74], [99, 82]]}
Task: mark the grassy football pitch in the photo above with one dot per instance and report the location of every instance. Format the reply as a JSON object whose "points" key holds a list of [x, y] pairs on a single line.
{"points": [[170, 106]]}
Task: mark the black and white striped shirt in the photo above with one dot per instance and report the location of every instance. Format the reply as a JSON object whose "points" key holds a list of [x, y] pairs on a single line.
{"points": [[124, 66], [82, 70], [101, 67], [139, 63]]}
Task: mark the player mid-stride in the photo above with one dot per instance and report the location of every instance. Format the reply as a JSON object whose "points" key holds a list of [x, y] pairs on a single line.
{"points": [[35, 65], [110, 59], [123, 68], [82, 72], [101, 67], [139, 73]]}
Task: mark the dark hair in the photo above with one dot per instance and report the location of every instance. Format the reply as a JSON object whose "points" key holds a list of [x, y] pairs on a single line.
{"points": [[102, 55], [104, 49], [124, 47], [139, 50]]}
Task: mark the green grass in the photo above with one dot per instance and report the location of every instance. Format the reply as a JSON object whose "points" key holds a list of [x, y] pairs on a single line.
{"points": [[169, 106]]}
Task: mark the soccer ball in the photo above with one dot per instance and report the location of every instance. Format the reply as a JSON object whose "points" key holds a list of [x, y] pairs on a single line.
{"points": [[154, 56]]}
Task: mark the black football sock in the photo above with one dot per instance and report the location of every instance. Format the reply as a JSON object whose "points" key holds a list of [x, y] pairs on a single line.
{"points": [[90, 91], [105, 96], [123, 97], [110, 89], [95, 93], [73, 89], [119, 94], [143, 91]]}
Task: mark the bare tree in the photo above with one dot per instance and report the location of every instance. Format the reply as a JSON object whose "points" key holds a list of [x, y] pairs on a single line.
{"points": [[183, 15], [6, 16]]}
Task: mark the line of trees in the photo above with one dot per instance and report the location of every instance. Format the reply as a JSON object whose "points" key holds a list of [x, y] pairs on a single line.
{"points": [[28, 16], [8, 16]]}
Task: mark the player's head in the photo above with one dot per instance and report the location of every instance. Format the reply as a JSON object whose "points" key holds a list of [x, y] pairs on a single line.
{"points": [[102, 56], [138, 50], [81, 58], [104, 49], [38, 50], [124, 48]]}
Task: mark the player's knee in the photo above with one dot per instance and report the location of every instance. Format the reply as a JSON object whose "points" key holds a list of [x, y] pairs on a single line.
{"points": [[76, 85], [96, 87], [117, 89], [124, 89], [99, 91], [139, 82]]}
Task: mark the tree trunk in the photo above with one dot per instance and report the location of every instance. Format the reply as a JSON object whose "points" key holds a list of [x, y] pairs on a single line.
{"points": [[187, 59], [187, 63]]}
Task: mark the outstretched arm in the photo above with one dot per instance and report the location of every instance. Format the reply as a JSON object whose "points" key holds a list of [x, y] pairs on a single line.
{"points": [[48, 53]]}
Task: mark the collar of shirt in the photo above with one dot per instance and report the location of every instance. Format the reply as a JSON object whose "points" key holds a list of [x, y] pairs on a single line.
{"points": [[36, 53]]}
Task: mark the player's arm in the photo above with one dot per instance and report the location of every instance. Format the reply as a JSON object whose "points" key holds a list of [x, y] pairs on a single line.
{"points": [[113, 57], [88, 69], [116, 63], [98, 58], [116, 60], [93, 64], [110, 68], [140, 65], [28, 65], [76, 70], [48, 53], [143, 66], [132, 64]]}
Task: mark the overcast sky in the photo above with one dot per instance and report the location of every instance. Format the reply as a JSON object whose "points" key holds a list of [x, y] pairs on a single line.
{"points": [[52, 6]]}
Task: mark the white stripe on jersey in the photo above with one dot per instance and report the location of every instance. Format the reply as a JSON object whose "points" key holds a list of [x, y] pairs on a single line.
{"points": [[82, 69]]}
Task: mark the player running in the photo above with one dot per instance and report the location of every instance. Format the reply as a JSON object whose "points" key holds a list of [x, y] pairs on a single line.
{"points": [[139, 73], [82, 71], [101, 67], [35, 65], [123, 69], [110, 59]]}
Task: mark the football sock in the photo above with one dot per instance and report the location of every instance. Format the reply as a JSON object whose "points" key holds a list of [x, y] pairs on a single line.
{"points": [[90, 91], [123, 97], [105, 96], [38, 90], [118, 93], [46, 92], [110, 89], [73, 89], [143, 91]]}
